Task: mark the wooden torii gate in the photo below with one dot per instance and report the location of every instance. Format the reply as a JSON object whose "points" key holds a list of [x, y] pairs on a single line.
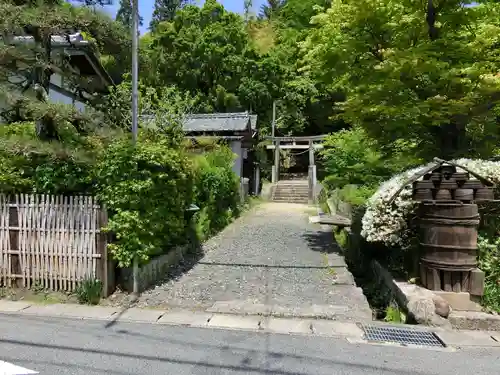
{"points": [[312, 143]]}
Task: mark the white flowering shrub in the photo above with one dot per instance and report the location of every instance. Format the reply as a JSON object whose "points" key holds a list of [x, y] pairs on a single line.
{"points": [[387, 223]]}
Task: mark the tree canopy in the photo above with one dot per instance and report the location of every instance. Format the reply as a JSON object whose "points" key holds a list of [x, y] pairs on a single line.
{"points": [[124, 14], [423, 73]]}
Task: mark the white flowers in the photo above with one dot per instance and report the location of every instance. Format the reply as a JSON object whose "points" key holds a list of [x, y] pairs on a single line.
{"points": [[388, 223]]}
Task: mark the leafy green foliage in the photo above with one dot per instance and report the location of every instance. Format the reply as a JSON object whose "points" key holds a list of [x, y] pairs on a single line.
{"points": [[165, 10], [204, 51], [146, 188], [89, 291], [356, 195], [30, 165], [430, 80], [489, 255], [271, 9], [216, 191], [353, 157], [124, 14]]}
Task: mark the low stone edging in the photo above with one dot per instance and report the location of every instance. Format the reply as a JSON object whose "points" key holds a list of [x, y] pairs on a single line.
{"points": [[155, 270]]}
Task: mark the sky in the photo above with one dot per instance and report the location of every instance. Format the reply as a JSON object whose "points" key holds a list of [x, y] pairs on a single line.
{"points": [[146, 8]]}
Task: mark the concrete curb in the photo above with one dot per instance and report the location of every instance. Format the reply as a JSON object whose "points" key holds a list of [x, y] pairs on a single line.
{"points": [[311, 327], [184, 318]]}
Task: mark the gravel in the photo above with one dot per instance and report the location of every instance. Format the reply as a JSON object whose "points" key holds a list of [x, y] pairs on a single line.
{"points": [[272, 256]]}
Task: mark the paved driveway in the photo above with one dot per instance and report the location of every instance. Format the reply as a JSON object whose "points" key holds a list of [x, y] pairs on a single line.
{"points": [[271, 260]]}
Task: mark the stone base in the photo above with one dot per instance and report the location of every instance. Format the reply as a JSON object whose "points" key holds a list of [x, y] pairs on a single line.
{"points": [[460, 301], [421, 303]]}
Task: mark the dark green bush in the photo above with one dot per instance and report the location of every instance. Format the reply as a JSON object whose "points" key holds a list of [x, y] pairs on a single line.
{"points": [[89, 291], [216, 191], [146, 189], [489, 254], [30, 165]]}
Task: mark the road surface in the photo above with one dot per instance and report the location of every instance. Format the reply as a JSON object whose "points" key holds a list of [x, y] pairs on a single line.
{"points": [[82, 347]]}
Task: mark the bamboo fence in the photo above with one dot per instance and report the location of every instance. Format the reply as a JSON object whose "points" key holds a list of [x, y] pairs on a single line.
{"points": [[51, 241]]}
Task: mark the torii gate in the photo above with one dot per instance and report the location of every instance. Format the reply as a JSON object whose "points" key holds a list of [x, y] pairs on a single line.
{"points": [[297, 143]]}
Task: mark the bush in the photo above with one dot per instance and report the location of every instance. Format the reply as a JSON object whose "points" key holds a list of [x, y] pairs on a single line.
{"points": [[489, 254], [89, 291], [216, 191], [146, 189], [30, 165]]}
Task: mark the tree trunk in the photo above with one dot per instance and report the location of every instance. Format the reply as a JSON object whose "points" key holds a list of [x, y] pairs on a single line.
{"points": [[45, 126], [452, 140], [431, 20]]}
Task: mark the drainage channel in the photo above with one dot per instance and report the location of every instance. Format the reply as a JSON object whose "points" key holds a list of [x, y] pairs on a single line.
{"points": [[401, 336]]}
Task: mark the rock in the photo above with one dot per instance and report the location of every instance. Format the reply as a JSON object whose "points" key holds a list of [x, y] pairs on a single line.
{"points": [[423, 310], [442, 306]]}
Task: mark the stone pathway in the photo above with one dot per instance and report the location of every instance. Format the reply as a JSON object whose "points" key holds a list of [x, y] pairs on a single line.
{"points": [[271, 261]]}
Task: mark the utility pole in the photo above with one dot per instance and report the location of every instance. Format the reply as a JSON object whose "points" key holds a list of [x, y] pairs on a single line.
{"points": [[135, 68], [274, 118], [135, 111], [275, 168]]}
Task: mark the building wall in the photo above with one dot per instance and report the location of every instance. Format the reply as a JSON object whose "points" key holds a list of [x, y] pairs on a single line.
{"points": [[59, 96], [238, 163]]}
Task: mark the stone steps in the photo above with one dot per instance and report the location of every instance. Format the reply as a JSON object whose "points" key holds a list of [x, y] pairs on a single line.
{"points": [[296, 191]]}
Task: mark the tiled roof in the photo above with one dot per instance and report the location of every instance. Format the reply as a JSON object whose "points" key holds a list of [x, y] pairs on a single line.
{"points": [[213, 122]]}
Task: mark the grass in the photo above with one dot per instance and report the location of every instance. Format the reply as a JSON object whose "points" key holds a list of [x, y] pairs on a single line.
{"points": [[330, 270], [36, 295]]}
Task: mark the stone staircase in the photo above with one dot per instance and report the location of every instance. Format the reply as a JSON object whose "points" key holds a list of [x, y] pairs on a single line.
{"points": [[291, 191]]}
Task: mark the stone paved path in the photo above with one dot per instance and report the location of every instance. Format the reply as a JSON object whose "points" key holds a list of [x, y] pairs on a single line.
{"points": [[271, 261]]}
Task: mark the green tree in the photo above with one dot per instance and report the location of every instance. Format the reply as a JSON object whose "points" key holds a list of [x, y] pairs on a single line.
{"points": [[271, 9], [247, 9], [206, 51], [304, 105], [424, 72], [27, 65], [165, 10], [124, 14]]}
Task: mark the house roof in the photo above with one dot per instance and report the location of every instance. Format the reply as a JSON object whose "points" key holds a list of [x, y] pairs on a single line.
{"points": [[217, 122], [79, 50]]}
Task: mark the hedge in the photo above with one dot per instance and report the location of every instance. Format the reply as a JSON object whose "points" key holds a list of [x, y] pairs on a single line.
{"points": [[146, 188]]}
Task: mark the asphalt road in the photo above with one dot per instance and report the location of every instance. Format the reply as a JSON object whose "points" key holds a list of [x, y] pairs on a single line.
{"points": [[54, 346]]}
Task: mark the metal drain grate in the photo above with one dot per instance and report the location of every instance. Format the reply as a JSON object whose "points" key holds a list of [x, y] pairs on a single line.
{"points": [[403, 336]]}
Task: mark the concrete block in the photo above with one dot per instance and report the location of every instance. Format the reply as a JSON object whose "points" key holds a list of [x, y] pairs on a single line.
{"points": [[467, 339], [477, 282], [73, 311], [13, 306], [473, 320], [241, 307], [235, 322], [332, 328], [188, 318], [135, 314], [321, 311], [460, 301], [279, 325]]}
